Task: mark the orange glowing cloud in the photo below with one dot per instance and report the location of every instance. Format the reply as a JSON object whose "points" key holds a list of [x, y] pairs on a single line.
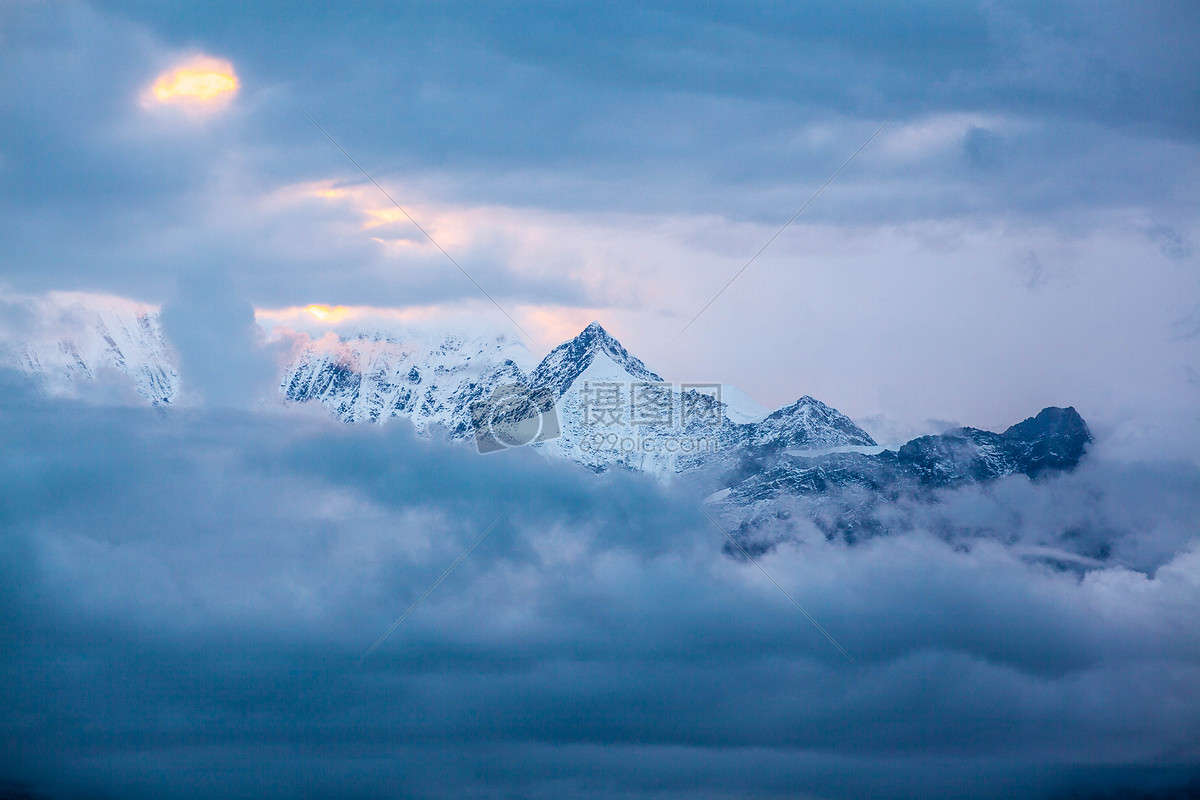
{"points": [[328, 314], [202, 81]]}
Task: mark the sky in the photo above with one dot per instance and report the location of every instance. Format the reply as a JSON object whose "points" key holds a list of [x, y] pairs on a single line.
{"points": [[186, 594], [1022, 233]]}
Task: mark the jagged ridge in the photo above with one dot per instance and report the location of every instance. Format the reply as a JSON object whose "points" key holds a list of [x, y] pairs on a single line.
{"points": [[565, 363], [844, 489]]}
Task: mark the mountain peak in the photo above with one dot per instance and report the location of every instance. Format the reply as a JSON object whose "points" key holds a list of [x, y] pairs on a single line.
{"points": [[1056, 438], [594, 336], [565, 363], [809, 423]]}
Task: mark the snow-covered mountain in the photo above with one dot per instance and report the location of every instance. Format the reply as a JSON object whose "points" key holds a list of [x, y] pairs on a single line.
{"points": [[611, 409], [564, 365], [78, 344], [428, 379], [606, 409], [764, 472], [851, 495]]}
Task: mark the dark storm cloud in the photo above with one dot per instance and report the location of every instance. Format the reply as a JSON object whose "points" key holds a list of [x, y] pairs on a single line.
{"points": [[186, 595]]}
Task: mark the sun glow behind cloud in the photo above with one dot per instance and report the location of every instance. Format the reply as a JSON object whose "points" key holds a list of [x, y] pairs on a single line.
{"points": [[317, 319], [547, 324], [328, 314], [449, 226], [203, 81]]}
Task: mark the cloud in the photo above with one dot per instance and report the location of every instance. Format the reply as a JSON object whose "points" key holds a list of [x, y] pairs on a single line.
{"points": [[224, 356], [626, 168], [186, 595], [983, 147], [523, 112], [1172, 243], [199, 82]]}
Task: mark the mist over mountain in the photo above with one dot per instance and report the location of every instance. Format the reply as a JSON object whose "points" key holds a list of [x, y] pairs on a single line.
{"points": [[805, 455], [750, 464], [85, 346]]}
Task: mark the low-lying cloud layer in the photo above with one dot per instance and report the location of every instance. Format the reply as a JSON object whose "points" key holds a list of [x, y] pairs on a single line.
{"points": [[187, 594]]}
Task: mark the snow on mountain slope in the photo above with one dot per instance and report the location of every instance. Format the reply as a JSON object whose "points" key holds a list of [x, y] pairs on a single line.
{"points": [[849, 494], [81, 344], [741, 407], [612, 409], [809, 424], [430, 379], [595, 419], [564, 364]]}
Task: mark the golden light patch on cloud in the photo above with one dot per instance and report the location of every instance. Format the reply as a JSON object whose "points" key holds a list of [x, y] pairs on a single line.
{"points": [[451, 228], [547, 325], [328, 314], [612, 260], [454, 315], [324, 189], [202, 81], [382, 216], [395, 243], [332, 315]]}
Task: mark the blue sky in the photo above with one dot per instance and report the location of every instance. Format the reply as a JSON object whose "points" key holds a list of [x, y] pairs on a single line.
{"points": [[186, 594]]}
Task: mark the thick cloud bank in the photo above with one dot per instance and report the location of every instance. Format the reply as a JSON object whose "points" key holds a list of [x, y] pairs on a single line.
{"points": [[186, 596]]}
